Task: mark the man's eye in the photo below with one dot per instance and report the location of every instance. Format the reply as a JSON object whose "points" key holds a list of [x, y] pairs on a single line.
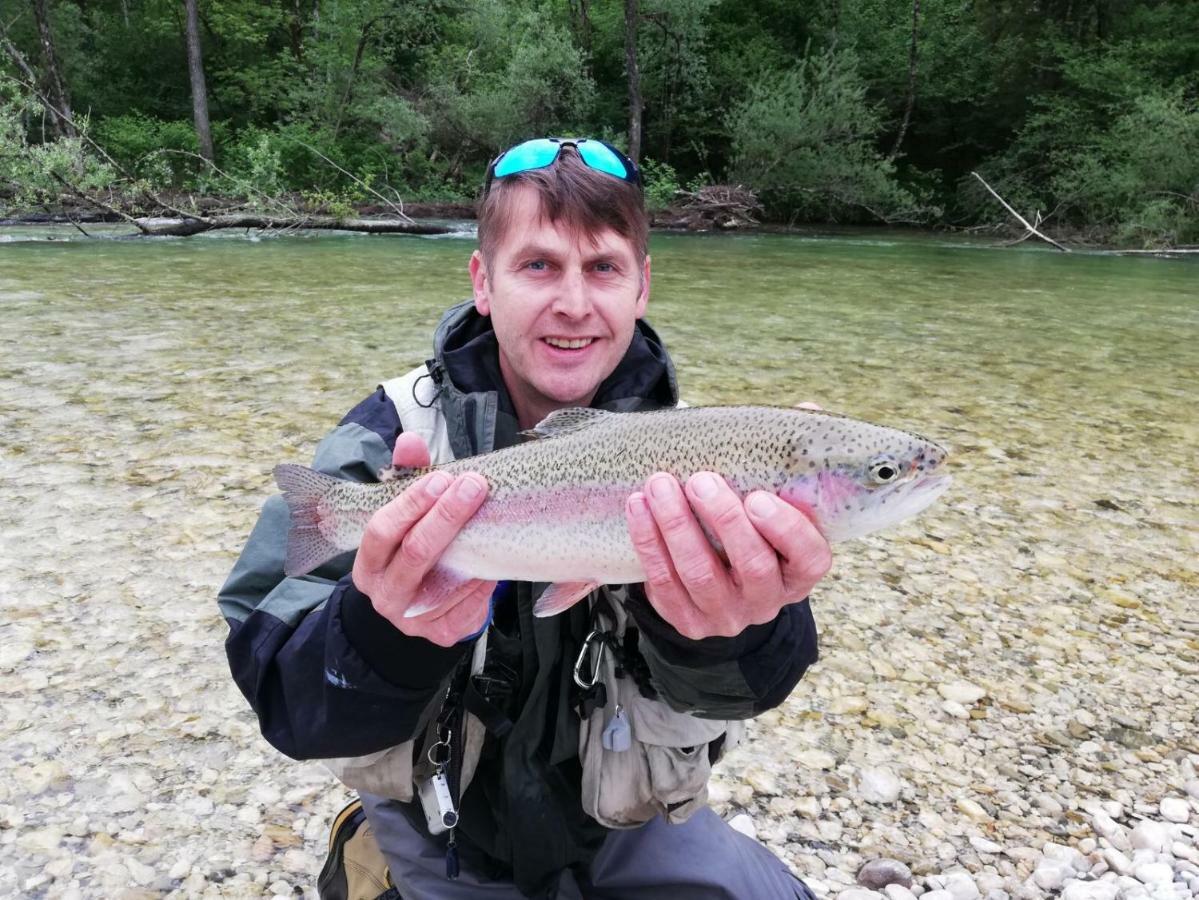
{"points": [[605, 267], [537, 265]]}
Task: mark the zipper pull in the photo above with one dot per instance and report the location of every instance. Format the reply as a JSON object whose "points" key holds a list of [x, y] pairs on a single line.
{"points": [[451, 857]]}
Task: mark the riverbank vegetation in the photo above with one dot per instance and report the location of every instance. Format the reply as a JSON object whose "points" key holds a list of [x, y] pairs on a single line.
{"points": [[1083, 115]]}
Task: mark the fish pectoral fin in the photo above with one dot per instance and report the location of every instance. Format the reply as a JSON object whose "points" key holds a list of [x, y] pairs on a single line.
{"points": [[561, 596], [567, 421], [437, 590]]}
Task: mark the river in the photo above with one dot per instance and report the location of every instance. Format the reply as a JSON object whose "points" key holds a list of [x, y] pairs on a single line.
{"points": [[147, 388]]}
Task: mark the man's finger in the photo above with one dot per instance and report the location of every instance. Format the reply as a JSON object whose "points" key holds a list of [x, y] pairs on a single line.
{"points": [[805, 552], [700, 571], [427, 539], [663, 589], [389, 525], [754, 562]]}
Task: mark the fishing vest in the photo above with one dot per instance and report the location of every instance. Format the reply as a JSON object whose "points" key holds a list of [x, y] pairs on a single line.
{"points": [[640, 758]]}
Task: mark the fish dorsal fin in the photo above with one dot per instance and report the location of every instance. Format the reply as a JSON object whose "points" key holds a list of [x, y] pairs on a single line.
{"points": [[567, 421]]}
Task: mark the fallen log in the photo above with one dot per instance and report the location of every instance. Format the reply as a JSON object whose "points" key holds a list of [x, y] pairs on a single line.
{"points": [[159, 226]]}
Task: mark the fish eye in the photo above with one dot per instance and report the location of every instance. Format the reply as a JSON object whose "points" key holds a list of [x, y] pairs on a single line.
{"points": [[884, 471]]}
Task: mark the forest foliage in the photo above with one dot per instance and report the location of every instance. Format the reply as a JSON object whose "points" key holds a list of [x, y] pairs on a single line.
{"points": [[1084, 111]]}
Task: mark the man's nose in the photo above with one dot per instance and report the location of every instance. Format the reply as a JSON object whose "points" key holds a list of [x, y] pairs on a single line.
{"points": [[571, 299]]}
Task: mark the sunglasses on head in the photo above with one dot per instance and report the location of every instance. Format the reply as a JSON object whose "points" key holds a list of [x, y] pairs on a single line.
{"points": [[541, 152]]}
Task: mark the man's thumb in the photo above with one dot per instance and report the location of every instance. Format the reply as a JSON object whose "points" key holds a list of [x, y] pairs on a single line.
{"points": [[410, 452]]}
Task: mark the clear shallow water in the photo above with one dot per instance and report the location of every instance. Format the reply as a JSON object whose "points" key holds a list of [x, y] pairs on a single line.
{"points": [[148, 387]]}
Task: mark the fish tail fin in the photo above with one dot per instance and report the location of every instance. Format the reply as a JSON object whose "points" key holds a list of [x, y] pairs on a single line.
{"points": [[303, 490]]}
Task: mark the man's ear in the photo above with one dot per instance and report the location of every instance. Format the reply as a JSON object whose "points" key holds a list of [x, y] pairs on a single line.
{"points": [[643, 297], [478, 280]]}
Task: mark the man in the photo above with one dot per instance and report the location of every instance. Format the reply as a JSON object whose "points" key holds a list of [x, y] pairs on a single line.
{"points": [[335, 669]]}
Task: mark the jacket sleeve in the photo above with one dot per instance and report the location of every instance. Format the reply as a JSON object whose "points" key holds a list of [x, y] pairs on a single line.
{"points": [[727, 678], [326, 675]]}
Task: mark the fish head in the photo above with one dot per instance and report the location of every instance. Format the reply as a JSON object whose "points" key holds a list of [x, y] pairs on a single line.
{"points": [[853, 478]]}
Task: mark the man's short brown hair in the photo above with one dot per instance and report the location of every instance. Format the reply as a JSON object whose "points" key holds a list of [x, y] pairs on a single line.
{"points": [[570, 191]]}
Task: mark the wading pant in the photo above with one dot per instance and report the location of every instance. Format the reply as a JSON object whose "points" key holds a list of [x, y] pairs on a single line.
{"points": [[701, 859]]}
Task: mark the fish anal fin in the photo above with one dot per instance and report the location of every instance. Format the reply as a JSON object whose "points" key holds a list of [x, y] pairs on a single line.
{"points": [[436, 591], [567, 421], [561, 596]]}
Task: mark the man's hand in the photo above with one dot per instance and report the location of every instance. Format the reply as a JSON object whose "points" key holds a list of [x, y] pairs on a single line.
{"points": [[405, 539], [775, 554]]}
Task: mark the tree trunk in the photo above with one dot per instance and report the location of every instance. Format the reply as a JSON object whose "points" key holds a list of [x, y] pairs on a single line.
{"points": [[63, 120], [195, 69], [907, 112], [630, 60], [295, 30]]}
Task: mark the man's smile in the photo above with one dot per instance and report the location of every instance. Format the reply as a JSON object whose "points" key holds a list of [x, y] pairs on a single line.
{"points": [[568, 343]]}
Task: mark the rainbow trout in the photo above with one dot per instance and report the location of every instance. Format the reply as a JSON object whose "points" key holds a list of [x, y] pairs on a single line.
{"points": [[556, 507]]}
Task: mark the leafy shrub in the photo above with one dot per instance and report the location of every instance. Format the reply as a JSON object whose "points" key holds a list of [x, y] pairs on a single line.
{"points": [[661, 183], [804, 140]]}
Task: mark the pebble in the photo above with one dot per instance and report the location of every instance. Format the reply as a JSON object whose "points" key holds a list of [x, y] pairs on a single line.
{"points": [[1155, 873], [1149, 835], [879, 873], [961, 886], [1175, 809], [879, 785], [898, 892], [961, 692], [744, 824]]}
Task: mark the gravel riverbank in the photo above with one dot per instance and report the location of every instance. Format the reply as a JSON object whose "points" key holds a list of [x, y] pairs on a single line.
{"points": [[1007, 703]]}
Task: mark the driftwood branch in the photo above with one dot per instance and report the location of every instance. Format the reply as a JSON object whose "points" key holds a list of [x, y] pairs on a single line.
{"points": [[1023, 221], [171, 227]]}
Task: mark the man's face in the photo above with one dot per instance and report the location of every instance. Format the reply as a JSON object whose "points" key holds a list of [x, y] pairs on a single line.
{"points": [[563, 306]]}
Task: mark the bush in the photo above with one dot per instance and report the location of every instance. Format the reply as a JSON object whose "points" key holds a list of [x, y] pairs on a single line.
{"points": [[32, 174], [661, 184], [162, 152], [804, 141]]}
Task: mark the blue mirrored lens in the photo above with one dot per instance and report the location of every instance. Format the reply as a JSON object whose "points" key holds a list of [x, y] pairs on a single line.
{"points": [[602, 159], [530, 155]]}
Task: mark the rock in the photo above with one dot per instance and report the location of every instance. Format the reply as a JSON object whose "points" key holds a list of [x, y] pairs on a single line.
{"points": [[1117, 861], [939, 894], [971, 809], [1048, 805], [955, 709], [982, 845], [848, 705], [744, 824], [762, 781], [816, 759], [1175, 809], [1149, 835], [1051, 874], [898, 892], [1090, 890], [961, 886], [139, 871], [878, 873], [1192, 788], [859, 894], [1155, 873], [809, 807], [1065, 854], [878, 785], [961, 692]]}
